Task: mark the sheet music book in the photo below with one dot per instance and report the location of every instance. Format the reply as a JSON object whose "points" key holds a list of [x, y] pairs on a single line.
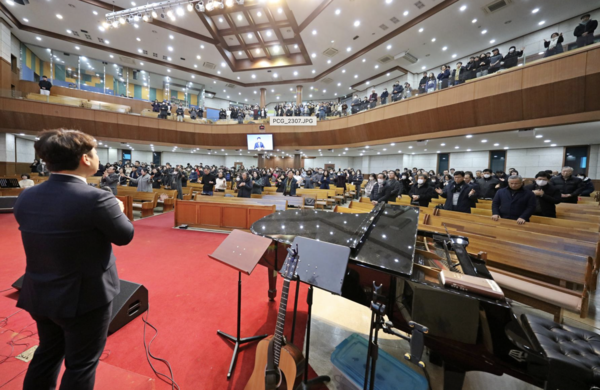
{"points": [[474, 284]]}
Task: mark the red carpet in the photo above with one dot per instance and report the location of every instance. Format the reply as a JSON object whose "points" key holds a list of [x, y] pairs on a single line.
{"points": [[190, 295]]}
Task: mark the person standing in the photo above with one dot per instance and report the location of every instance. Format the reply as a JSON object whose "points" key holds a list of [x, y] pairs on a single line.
{"points": [[143, 182], [179, 113], [33, 166], [373, 99], [176, 181], [290, 184], [245, 186], [457, 194], [384, 96], [423, 83], [43, 170], [457, 75], [208, 182], [355, 104], [110, 179], [585, 31], [45, 86], [495, 61], [71, 278], [547, 196], [569, 186], [397, 91], [473, 184], [554, 45], [488, 185], [514, 202], [512, 58], [421, 193], [381, 192]]}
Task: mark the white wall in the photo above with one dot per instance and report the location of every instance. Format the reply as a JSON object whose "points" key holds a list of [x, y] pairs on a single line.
{"points": [[319, 162], [530, 161], [217, 103], [246, 159], [469, 161], [7, 148], [113, 155], [103, 155], [24, 150], [192, 158]]}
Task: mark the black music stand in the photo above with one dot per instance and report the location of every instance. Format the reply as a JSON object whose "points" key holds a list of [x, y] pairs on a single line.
{"points": [[241, 251], [321, 265]]}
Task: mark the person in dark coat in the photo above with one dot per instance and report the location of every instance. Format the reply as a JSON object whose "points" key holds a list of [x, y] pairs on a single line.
{"points": [[457, 76], [488, 185], [356, 104], [512, 57], [208, 182], [257, 183], [406, 183], [373, 99], [585, 31], [423, 83], [514, 202], [164, 110], [569, 186], [157, 178], [481, 65], [155, 106], [45, 86], [443, 77], [245, 186], [341, 180], [588, 186], [193, 177], [324, 181], [457, 194], [384, 96], [554, 45], [68, 228], [547, 196], [382, 192], [473, 196], [357, 180], [34, 166], [176, 181], [42, 169], [110, 179], [290, 184], [397, 90], [421, 193]]}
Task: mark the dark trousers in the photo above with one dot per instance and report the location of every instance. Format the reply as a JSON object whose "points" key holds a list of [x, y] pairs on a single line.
{"points": [[584, 41], [79, 340]]}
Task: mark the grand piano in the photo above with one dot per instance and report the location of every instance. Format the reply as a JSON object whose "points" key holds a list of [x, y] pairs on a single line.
{"points": [[467, 331]]}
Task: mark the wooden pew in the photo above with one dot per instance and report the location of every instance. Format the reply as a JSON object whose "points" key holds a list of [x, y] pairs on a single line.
{"points": [[593, 219], [128, 203], [296, 201], [144, 201], [346, 210], [219, 215], [11, 191], [280, 203]]}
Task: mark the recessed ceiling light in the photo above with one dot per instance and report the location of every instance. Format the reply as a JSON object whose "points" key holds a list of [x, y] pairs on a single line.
{"points": [[423, 67], [445, 48], [492, 41], [106, 41], [314, 32], [550, 145], [249, 35], [338, 11], [376, 66], [140, 51], [388, 1], [348, 48], [474, 21], [76, 47], [484, 32], [239, 17], [272, 90], [506, 147], [357, 23], [69, 31], [220, 20], [343, 70], [329, 61], [314, 55], [198, 57], [539, 136], [355, 76], [111, 56], [453, 55], [38, 38], [442, 144], [269, 33], [201, 46], [469, 136], [218, 72], [421, 29], [59, 16], [432, 39], [257, 51], [484, 140], [254, 76], [464, 7], [139, 40], [136, 25], [547, 140], [389, 47], [101, 28], [142, 64], [170, 48], [540, 53], [496, 144], [542, 22], [387, 74], [275, 75], [535, 10]]}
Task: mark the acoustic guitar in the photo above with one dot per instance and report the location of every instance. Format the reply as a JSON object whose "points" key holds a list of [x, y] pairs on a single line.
{"points": [[286, 361]]}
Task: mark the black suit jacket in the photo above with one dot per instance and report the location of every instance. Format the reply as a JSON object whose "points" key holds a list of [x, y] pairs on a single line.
{"points": [[67, 228], [463, 203]]}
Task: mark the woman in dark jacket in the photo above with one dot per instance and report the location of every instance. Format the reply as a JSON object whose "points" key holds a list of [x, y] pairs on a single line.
{"points": [[34, 166], [257, 183], [512, 58], [324, 183], [279, 182], [341, 180], [588, 186], [193, 177], [404, 179], [245, 186], [444, 76], [156, 178], [357, 179], [554, 45], [421, 193]]}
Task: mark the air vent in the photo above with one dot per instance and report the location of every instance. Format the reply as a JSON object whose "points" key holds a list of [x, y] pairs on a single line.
{"points": [[182, 59], [88, 36], [127, 60], [406, 56], [209, 65], [383, 27], [101, 40], [330, 52], [230, 86], [385, 59], [419, 5], [327, 80], [155, 55], [394, 20], [496, 6], [165, 58], [75, 33], [85, 31]]}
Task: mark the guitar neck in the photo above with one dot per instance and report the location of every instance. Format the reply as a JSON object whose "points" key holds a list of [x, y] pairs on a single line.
{"points": [[278, 338]]}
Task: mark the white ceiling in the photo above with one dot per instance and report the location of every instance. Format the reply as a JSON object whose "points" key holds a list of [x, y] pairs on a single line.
{"points": [[451, 27], [557, 136]]}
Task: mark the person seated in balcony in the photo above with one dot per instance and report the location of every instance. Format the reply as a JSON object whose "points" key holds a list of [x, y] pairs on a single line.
{"points": [[482, 65], [511, 58], [457, 76], [443, 77], [155, 106], [554, 45], [396, 91], [423, 83], [495, 61], [193, 113], [373, 99], [431, 85], [355, 104], [322, 111], [585, 31], [179, 112], [45, 86], [233, 113], [384, 96]]}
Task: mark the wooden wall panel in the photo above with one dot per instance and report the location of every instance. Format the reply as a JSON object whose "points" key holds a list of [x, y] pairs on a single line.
{"points": [[593, 62], [554, 69], [507, 107], [234, 218], [592, 92], [254, 214], [185, 213], [209, 214], [558, 98], [498, 84]]}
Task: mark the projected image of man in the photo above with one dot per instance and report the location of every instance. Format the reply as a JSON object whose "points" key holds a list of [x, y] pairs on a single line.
{"points": [[258, 145]]}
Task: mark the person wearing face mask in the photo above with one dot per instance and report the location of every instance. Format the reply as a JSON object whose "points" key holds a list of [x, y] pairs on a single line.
{"points": [[370, 184], [382, 191], [308, 183], [356, 103], [569, 186], [384, 96], [588, 186], [316, 178], [423, 83], [482, 65], [487, 185], [457, 194], [514, 202], [512, 58], [474, 194], [470, 68], [373, 99], [421, 193], [495, 61], [397, 91], [585, 31], [406, 183], [458, 75], [554, 45], [443, 77], [547, 196]]}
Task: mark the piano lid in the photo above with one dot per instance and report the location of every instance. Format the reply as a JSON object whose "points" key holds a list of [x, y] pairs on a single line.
{"points": [[384, 238]]}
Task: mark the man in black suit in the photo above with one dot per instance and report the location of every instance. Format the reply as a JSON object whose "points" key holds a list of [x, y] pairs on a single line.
{"points": [[458, 194], [67, 228]]}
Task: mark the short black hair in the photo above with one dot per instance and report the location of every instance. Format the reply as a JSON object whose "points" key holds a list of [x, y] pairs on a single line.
{"points": [[586, 15], [487, 170], [459, 173], [62, 149], [496, 49], [26, 175], [542, 174], [44, 77]]}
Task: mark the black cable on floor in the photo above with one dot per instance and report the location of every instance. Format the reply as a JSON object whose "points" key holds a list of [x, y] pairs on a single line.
{"points": [[169, 379]]}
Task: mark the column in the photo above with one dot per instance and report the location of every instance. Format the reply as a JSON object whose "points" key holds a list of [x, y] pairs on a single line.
{"points": [[261, 161], [5, 50], [263, 97], [8, 155], [298, 95], [297, 160]]}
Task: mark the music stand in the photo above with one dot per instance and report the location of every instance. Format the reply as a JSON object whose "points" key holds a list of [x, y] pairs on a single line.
{"points": [[321, 265], [240, 251]]}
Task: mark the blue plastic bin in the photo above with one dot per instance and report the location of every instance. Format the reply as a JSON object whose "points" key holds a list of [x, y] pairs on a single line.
{"points": [[350, 358]]}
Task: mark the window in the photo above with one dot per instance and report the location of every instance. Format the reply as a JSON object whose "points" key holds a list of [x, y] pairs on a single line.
{"points": [[576, 157], [498, 160], [13, 64], [443, 162], [126, 155], [156, 158]]}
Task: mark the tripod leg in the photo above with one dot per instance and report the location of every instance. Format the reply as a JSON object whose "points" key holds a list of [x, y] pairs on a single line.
{"points": [[307, 383]]}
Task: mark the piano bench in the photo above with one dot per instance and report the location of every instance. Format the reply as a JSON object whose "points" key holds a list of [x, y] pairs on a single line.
{"points": [[573, 354]]}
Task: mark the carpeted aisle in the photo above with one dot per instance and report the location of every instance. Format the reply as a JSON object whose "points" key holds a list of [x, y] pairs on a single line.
{"points": [[191, 296]]}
